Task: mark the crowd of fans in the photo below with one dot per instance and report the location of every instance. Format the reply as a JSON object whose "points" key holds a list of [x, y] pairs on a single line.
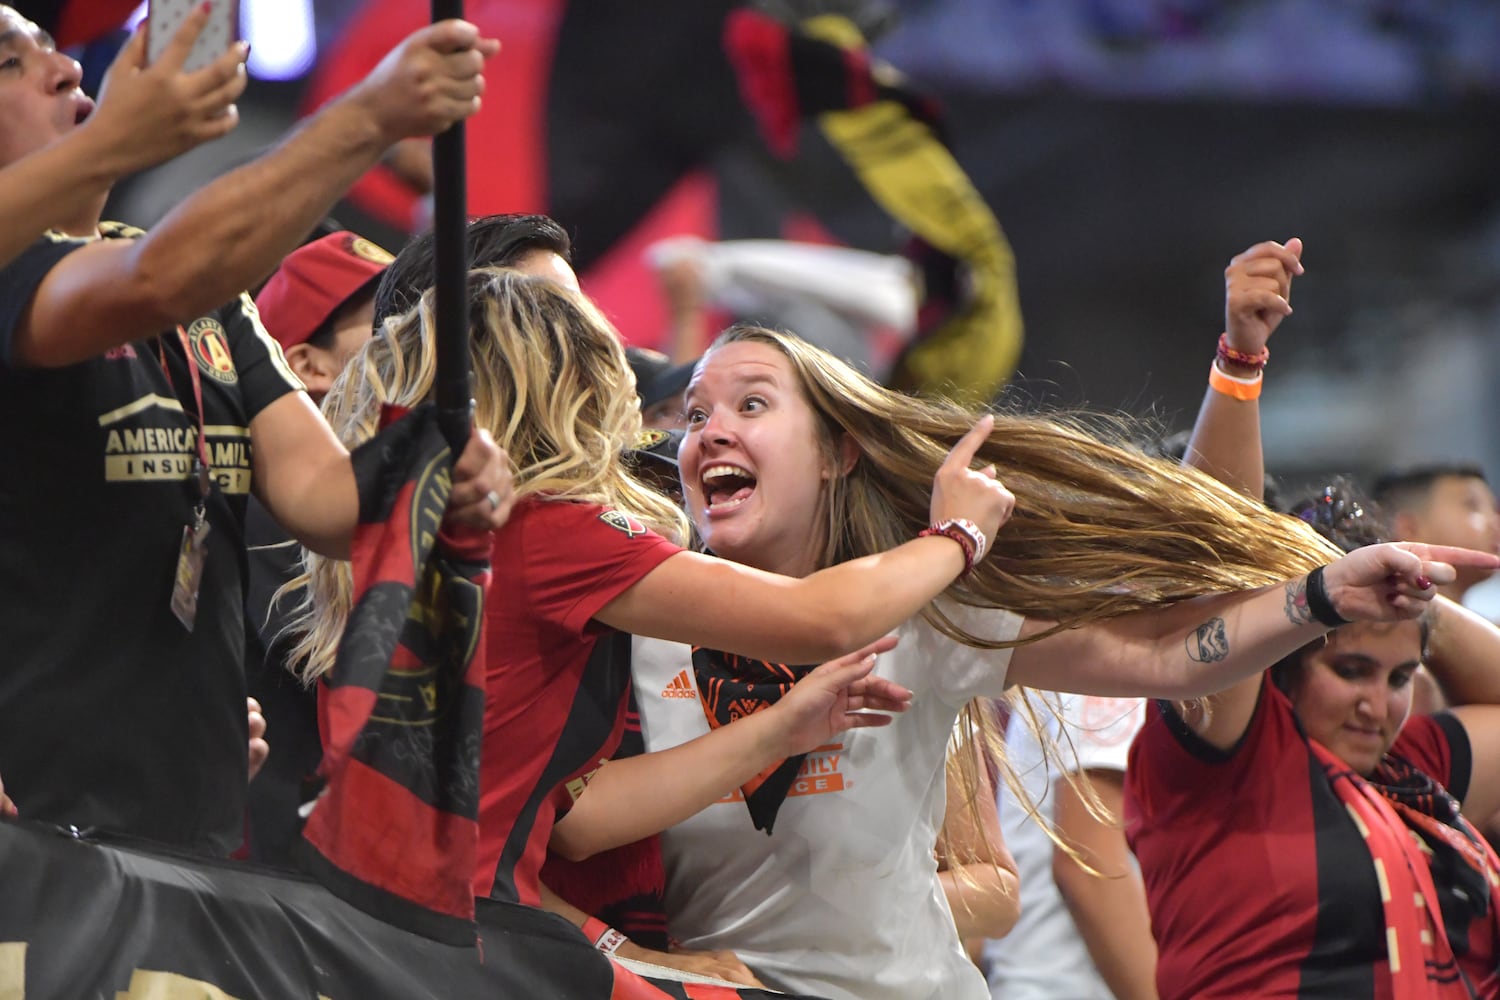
{"points": [[1230, 793]]}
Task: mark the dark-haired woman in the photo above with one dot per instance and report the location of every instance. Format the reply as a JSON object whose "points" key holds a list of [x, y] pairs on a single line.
{"points": [[1302, 837]]}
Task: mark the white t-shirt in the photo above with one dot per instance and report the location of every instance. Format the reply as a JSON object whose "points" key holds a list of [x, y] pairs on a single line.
{"points": [[843, 901], [1044, 957]]}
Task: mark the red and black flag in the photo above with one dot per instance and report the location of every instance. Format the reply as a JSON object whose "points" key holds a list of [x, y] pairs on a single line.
{"points": [[396, 830], [78, 22]]}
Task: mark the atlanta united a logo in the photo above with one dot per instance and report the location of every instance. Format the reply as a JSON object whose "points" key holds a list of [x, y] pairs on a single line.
{"points": [[211, 350]]}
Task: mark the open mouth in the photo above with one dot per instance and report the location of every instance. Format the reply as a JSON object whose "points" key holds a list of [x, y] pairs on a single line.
{"points": [[726, 486], [82, 108]]}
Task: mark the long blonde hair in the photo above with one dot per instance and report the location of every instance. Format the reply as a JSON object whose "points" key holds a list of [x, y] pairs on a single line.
{"points": [[550, 383], [1100, 528]]}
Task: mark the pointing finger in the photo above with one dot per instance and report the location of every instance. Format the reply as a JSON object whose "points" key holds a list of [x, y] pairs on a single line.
{"points": [[963, 453]]}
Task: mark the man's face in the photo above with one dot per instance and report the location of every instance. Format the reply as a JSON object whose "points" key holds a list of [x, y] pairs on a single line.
{"points": [[1459, 510], [40, 98]]}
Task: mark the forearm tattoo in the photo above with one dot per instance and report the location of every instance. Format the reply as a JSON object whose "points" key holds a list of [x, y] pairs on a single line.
{"points": [[1297, 611], [1209, 642]]}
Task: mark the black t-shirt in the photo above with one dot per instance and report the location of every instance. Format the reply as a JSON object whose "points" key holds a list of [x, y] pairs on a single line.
{"points": [[112, 714]]}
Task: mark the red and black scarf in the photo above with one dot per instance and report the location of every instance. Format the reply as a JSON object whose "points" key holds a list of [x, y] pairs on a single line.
{"points": [[731, 687], [1437, 874]]}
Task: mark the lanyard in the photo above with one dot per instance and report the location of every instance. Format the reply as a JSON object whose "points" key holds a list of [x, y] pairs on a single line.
{"points": [[202, 472]]}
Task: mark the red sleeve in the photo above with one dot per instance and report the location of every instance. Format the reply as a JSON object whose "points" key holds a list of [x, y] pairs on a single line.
{"points": [[578, 557]]}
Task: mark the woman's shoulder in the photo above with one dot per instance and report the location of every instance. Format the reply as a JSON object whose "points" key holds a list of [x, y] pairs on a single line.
{"points": [[550, 508]]}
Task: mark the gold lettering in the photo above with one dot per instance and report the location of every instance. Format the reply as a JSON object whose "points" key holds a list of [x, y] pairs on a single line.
{"points": [[236, 481], [113, 444], [229, 453], [150, 468], [135, 439]]}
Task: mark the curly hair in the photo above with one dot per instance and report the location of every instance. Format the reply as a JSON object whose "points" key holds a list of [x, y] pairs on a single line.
{"points": [[550, 383]]}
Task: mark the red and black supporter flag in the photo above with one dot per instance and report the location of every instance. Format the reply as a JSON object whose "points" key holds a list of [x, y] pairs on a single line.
{"points": [[396, 830]]}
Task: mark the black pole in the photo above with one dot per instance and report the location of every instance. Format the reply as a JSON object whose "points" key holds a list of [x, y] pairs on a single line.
{"points": [[450, 264]]}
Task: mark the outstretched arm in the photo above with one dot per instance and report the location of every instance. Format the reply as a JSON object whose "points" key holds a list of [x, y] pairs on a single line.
{"points": [[635, 797], [147, 114], [723, 605], [236, 230], [1198, 647]]}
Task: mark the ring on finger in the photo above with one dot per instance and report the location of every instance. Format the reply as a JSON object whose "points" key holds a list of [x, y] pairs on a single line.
{"points": [[494, 499]]}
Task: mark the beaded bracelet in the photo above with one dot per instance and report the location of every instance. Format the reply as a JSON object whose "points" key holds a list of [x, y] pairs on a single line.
{"points": [[1319, 605], [967, 534], [1244, 389], [1242, 358]]}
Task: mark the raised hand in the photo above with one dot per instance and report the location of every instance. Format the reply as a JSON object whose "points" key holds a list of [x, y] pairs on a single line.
{"points": [[838, 695], [1395, 580], [151, 112], [1257, 293], [959, 491], [431, 80]]}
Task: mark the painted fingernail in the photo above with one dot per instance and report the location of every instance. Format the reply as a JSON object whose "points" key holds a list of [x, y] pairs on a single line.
{"points": [[1424, 583]]}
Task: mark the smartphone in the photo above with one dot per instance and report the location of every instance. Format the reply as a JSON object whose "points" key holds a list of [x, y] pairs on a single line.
{"points": [[164, 17]]}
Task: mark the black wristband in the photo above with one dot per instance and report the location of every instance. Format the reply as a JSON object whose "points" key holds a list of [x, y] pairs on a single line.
{"points": [[1318, 604]]}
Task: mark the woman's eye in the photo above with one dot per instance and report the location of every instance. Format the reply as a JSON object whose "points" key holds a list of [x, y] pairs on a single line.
{"points": [[1401, 678], [753, 403], [695, 416]]}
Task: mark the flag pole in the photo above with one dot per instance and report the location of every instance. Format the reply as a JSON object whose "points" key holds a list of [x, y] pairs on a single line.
{"points": [[450, 272]]}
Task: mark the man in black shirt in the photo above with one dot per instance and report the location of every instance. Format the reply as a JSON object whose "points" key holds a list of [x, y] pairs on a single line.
{"points": [[143, 402]]}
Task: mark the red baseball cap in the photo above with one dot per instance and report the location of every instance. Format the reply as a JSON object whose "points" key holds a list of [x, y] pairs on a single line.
{"points": [[314, 280]]}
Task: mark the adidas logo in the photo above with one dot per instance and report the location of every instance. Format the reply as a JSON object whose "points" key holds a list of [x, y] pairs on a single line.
{"points": [[681, 687]]}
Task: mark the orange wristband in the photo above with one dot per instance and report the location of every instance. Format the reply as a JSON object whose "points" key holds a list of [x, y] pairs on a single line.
{"points": [[1230, 385]]}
